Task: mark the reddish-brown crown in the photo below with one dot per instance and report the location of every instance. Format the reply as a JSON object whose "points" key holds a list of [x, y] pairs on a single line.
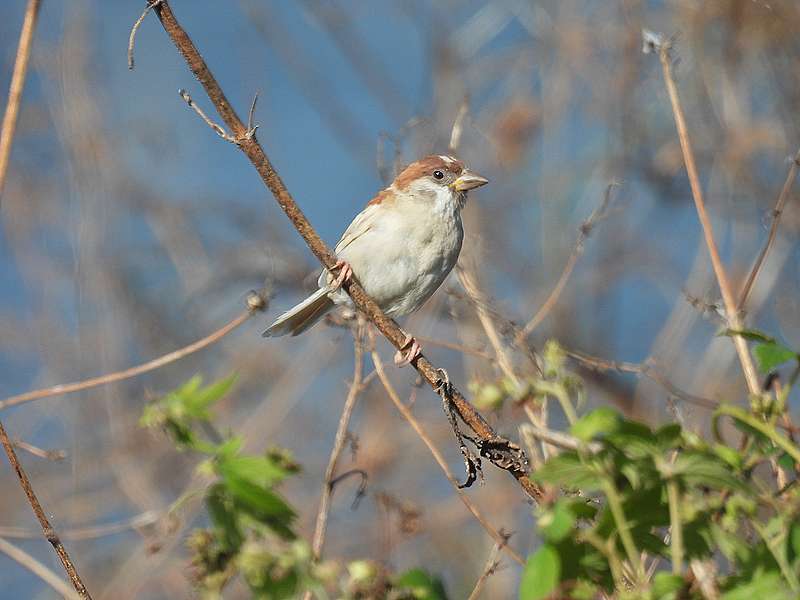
{"points": [[422, 167]]}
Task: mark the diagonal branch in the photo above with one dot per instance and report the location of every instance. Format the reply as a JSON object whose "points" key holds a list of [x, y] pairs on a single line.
{"points": [[17, 84], [655, 42], [777, 212], [47, 529], [255, 153]]}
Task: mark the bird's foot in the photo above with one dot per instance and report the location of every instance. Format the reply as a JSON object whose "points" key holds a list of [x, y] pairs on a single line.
{"points": [[409, 352], [345, 273]]}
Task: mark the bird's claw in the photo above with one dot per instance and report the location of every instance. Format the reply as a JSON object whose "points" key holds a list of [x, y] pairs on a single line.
{"points": [[345, 273], [409, 352]]}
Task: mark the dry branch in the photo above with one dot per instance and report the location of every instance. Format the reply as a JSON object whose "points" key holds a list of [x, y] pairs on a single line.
{"points": [[777, 212], [437, 455], [655, 42], [49, 533], [11, 115], [254, 303], [255, 153]]}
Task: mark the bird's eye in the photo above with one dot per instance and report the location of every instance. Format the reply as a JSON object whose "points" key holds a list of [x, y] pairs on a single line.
{"points": [[438, 174]]}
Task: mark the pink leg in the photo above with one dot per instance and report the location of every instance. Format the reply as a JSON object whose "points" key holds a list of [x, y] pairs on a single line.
{"points": [[403, 357], [345, 273]]}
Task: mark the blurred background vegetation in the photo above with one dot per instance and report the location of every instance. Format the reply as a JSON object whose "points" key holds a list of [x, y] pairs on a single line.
{"points": [[130, 229]]}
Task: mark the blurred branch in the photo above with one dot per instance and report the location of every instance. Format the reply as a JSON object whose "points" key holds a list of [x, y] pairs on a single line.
{"points": [[40, 452], [437, 455], [777, 212], [491, 567], [657, 43], [38, 569], [11, 115], [645, 368], [255, 153], [585, 230], [254, 303], [49, 533], [91, 532], [339, 441]]}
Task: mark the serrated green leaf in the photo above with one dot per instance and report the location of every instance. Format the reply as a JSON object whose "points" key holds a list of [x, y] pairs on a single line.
{"points": [[220, 509], [701, 469], [598, 423], [198, 402], [567, 470], [421, 585], [541, 575], [665, 585], [556, 523], [770, 355], [259, 470], [635, 440], [264, 505]]}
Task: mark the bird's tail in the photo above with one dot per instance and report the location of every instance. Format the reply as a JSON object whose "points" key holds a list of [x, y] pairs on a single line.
{"points": [[299, 318]]}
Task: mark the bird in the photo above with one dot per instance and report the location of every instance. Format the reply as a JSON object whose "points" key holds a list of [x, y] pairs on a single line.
{"points": [[400, 248]]}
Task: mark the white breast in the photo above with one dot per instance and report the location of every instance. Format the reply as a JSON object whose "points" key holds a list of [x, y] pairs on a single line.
{"points": [[407, 251]]}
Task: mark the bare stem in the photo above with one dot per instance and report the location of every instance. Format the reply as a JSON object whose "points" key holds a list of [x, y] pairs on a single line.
{"points": [[437, 455], [49, 533], [338, 443], [41, 571], [586, 228], [731, 308], [777, 212], [11, 115], [77, 386]]}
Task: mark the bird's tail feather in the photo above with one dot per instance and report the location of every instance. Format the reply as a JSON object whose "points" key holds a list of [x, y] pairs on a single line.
{"points": [[299, 318]]}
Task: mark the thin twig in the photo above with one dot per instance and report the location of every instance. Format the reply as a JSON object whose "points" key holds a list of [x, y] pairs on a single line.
{"points": [[585, 230], [218, 129], [254, 302], [41, 571], [135, 29], [17, 85], [91, 532], [40, 452], [437, 455], [255, 153], [489, 569], [777, 212], [338, 444], [49, 533], [557, 438], [458, 126], [663, 47], [647, 369]]}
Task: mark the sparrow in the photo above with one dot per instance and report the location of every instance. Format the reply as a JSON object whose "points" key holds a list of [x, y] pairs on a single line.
{"points": [[401, 247]]}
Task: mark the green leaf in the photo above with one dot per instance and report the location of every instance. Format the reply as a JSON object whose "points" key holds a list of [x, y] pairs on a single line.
{"points": [[264, 505], [598, 423], [762, 585], [749, 334], [770, 355], [541, 575], [701, 469], [729, 455], [198, 402], [635, 440], [669, 436], [665, 585], [557, 523], [421, 585], [220, 509], [567, 470], [259, 470]]}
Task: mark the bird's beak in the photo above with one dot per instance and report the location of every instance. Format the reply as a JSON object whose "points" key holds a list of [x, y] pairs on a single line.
{"points": [[468, 181]]}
